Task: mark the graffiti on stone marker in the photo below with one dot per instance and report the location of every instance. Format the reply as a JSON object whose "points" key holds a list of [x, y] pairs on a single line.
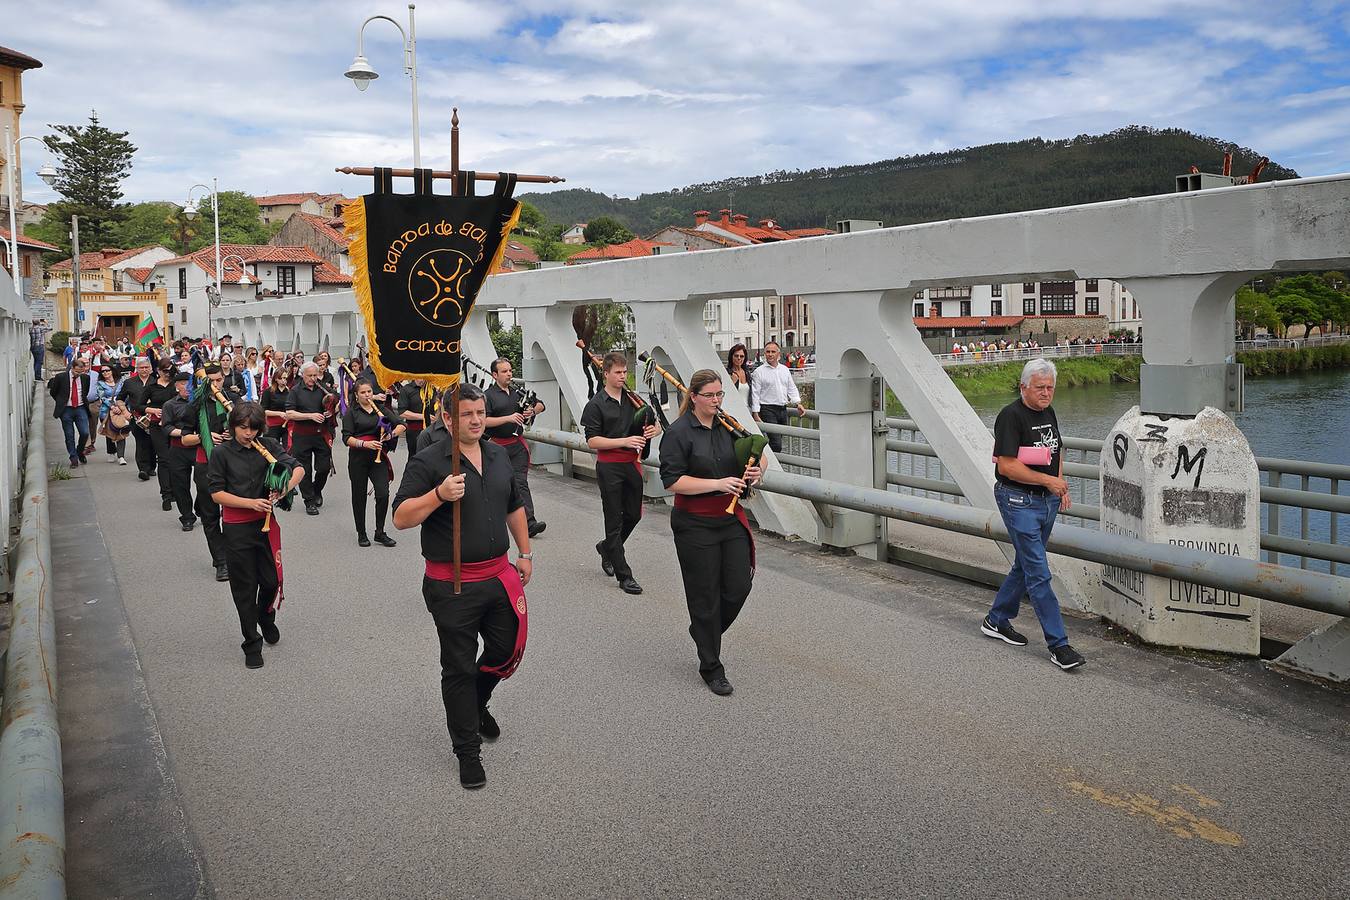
{"points": [[1187, 462], [1119, 444], [1156, 434]]}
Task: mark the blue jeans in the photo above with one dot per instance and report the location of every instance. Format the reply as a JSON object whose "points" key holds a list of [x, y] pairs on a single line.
{"points": [[73, 419], [1028, 518], [38, 355]]}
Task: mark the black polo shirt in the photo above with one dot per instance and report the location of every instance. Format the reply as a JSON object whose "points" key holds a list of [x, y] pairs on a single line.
{"points": [[305, 399], [502, 403], [690, 448], [241, 470], [134, 392], [178, 414], [410, 401], [356, 422], [488, 499], [156, 395], [606, 417]]}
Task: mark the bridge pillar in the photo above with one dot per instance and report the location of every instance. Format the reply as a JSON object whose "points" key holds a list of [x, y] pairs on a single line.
{"points": [[538, 374], [853, 450], [1192, 482]]}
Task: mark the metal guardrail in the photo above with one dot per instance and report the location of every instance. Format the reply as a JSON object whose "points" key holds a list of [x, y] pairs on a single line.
{"points": [[1274, 496], [1283, 584], [32, 806], [16, 394]]}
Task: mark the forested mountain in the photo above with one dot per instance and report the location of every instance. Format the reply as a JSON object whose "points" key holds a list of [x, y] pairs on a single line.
{"points": [[977, 181]]}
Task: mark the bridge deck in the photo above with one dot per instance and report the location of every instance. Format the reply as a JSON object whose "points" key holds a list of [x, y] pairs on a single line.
{"points": [[876, 743]]}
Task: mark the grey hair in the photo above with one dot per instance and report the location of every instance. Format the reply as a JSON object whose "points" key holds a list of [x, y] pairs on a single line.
{"points": [[1038, 366], [307, 366]]}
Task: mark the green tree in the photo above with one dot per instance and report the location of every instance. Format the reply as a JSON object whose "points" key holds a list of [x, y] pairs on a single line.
{"points": [[93, 163], [507, 342], [551, 250], [240, 221], [1300, 301], [611, 332], [1255, 310], [531, 220], [147, 223], [606, 230]]}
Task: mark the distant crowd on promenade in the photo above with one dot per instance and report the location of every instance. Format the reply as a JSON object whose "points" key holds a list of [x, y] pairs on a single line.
{"points": [[983, 346]]}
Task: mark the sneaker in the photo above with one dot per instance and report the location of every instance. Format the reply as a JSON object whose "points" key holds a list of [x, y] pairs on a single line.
{"points": [[112, 457], [121, 460], [1066, 657], [471, 774], [720, 686], [487, 725], [1004, 632]]}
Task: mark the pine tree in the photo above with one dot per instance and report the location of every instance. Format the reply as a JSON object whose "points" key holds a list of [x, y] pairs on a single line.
{"points": [[94, 162]]}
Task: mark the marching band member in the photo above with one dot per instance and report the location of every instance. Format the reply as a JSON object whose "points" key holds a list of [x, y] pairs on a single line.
{"points": [[505, 425], [491, 602], [208, 511], [241, 480], [274, 404], [410, 410], [607, 422], [132, 396], [714, 546], [158, 394], [179, 422], [368, 461], [309, 426]]}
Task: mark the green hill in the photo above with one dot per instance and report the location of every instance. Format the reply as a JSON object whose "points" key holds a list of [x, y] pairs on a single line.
{"points": [[977, 181]]}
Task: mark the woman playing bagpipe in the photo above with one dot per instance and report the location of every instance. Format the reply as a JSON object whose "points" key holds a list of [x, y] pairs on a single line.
{"points": [[274, 404], [707, 467], [366, 429], [247, 475]]}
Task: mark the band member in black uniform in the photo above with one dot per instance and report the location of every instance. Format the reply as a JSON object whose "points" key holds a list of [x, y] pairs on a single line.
{"points": [[233, 385], [505, 424], [179, 422], [715, 549], [237, 477], [411, 413], [368, 462], [160, 392], [208, 511], [309, 422], [132, 396], [324, 360], [492, 599], [274, 405], [607, 422]]}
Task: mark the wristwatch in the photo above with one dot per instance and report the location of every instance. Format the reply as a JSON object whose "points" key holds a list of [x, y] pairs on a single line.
{"points": [[529, 556]]}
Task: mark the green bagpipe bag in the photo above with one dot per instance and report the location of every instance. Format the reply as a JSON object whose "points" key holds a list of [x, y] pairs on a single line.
{"points": [[419, 261]]}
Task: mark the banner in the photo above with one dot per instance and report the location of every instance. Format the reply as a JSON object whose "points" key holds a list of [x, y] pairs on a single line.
{"points": [[147, 333], [419, 261]]}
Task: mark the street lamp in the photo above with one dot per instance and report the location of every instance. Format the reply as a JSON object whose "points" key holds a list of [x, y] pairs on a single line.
{"points": [[47, 174], [362, 73], [190, 212]]}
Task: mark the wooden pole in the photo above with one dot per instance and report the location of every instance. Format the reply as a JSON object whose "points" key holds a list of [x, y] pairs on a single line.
{"points": [[441, 173]]}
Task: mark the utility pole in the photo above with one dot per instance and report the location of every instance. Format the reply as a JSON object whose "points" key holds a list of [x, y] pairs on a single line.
{"points": [[75, 267]]}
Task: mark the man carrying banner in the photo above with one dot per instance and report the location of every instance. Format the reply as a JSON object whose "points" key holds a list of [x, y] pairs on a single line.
{"points": [[491, 602]]}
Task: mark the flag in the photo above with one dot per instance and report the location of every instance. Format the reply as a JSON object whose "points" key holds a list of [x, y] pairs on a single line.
{"points": [[147, 333], [419, 261]]}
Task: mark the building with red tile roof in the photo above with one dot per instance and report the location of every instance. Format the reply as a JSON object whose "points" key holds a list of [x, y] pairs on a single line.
{"points": [[30, 270], [627, 250]]}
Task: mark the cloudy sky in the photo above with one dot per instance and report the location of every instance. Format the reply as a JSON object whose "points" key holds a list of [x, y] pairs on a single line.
{"points": [[626, 97]]}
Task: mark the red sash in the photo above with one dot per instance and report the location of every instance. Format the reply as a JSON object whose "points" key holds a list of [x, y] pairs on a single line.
{"points": [[233, 515], [518, 439], [301, 428], [201, 455], [177, 442], [619, 456], [388, 463], [275, 418], [714, 506], [487, 570]]}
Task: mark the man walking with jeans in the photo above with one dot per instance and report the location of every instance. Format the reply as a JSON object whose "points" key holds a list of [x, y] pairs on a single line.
{"points": [[1030, 490], [37, 340]]}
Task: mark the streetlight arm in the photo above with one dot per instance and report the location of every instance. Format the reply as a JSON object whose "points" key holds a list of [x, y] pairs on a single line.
{"points": [[361, 37]]}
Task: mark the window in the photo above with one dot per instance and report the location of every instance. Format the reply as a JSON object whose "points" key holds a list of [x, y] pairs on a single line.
{"points": [[918, 310], [935, 310], [773, 315], [996, 290], [804, 314], [1057, 305], [27, 264], [182, 284], [286, 279], [918, 295], [1028, 287], [170, 309], [1091, 306], [1028, 306], [788, 316], [995, 307], [1090, 285], [183, 313], [965, 307]]}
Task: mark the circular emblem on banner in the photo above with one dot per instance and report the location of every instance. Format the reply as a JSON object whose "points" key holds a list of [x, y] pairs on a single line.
{"points": [[437, 286]]}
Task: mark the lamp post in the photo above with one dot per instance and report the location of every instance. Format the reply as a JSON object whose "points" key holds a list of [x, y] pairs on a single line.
{"points": [[361, 72], [47, 174], [190, 212]]}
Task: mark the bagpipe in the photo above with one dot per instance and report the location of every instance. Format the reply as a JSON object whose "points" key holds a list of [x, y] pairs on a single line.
{"points": [[484, 379], [749, 446], [645, 413]]}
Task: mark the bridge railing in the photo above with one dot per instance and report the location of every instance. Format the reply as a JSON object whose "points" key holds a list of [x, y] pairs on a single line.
{"points": [[1298, 497], [16, 398]]}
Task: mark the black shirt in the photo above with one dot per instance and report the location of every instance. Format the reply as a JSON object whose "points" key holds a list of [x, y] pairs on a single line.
{"points": [[410, 400], [606, 417], [488, 499], [690, 448], [503, 403], [242, 471], [157, 395], [216, 416], [178, 414], [1019, 426], [233, 386], [274, 401], [133, 394], [305, 399], [356, 422]]}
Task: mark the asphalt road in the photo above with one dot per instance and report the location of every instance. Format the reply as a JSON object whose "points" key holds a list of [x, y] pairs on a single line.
{"points": [[876, 744]]}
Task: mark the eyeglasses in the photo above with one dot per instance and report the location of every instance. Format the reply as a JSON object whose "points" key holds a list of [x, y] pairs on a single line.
{"points": [[717, 396]]}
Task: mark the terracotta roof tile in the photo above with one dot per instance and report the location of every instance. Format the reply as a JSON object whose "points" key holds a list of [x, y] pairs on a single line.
{"points": [[329, 228], [101, 259], [627, 250], [139, 274], [968, 321], [25, 241], [286, 199], [18, 60], [326, 274]]}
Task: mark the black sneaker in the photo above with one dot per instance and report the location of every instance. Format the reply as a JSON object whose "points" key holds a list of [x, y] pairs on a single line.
{"points": [[537, 528], [253, 660], [487, 725], [385, 540], [361, 539], [1004, 632], [471, 774], [1066, 657], [720, 686], [311, 509], [166, 504]]}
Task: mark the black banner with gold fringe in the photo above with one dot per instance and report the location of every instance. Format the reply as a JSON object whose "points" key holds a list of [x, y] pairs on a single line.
{"points": [[419, 261]]}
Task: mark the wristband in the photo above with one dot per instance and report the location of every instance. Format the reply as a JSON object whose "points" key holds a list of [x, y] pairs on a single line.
{"points": [[437, 490]]}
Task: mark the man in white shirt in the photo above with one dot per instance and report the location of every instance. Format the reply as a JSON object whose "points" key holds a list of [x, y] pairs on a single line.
{"points": [[771, 390]]}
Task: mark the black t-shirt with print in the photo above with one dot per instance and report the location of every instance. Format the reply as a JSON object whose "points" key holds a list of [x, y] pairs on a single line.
{"points": [[1018, 427]]}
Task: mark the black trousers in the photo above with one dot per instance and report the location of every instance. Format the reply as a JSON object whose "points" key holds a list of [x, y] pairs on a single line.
{"points": [[775, 415], [115, 448], [177, 465], [621, 500], [520, 465], [316, 456], [714, 559], [481, 608], [160, 439], [253, 579], [278, 434], [410, 438], [362, 469], [209, 513], [146, 457]]}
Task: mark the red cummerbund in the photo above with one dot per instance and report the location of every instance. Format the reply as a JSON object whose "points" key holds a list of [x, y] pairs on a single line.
{"points": [[306, 428], [276, 418], [616, 456], [468, 571], [414, 426], [233, 515], [201, 455], [176, 442], [517, 439], [705, 505]]}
